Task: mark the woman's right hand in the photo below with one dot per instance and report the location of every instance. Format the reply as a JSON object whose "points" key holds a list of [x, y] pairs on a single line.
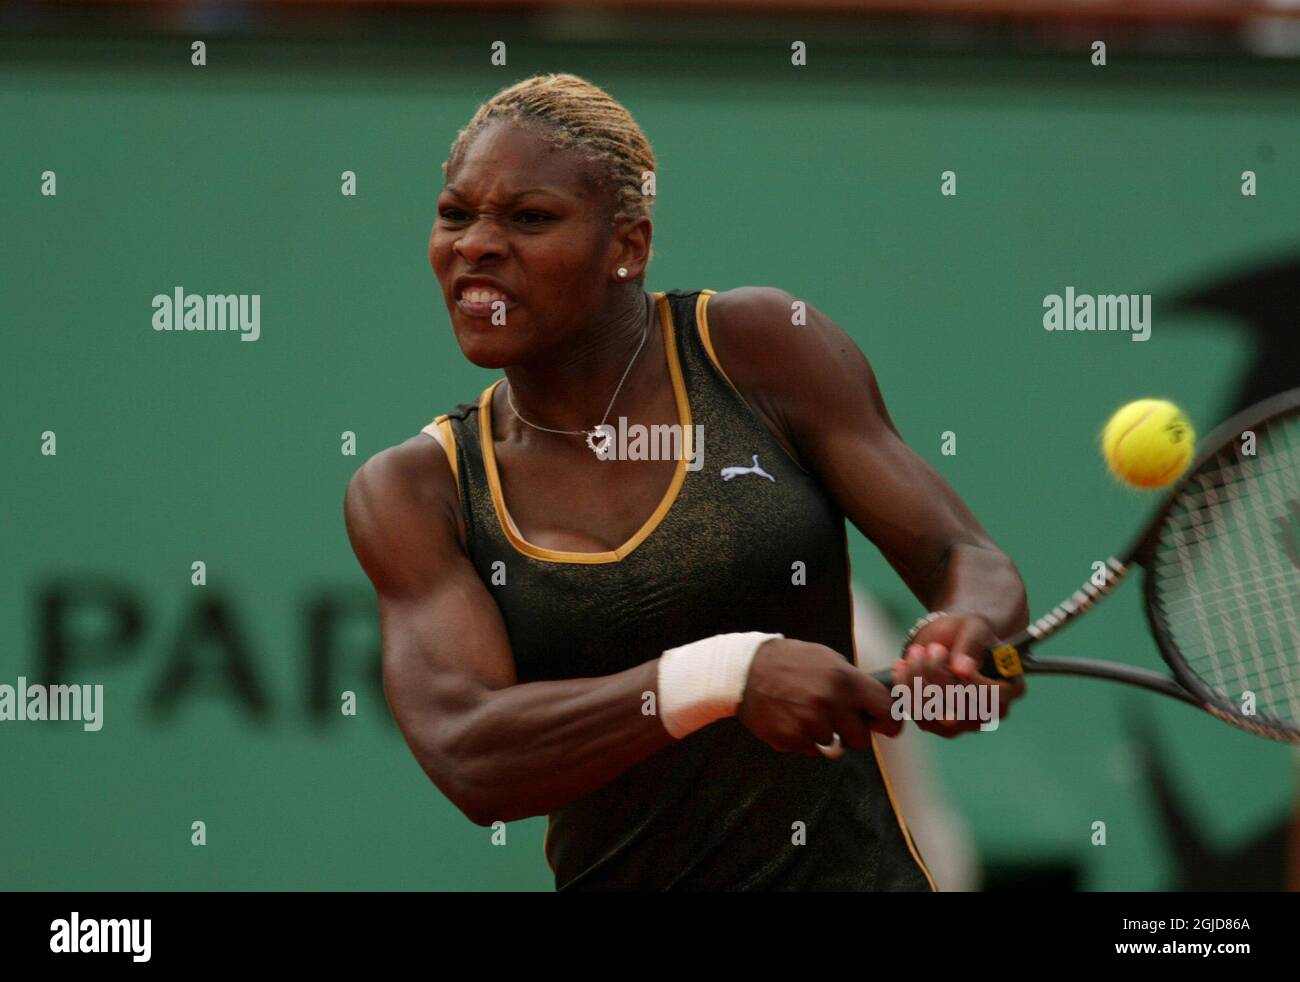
{"points": [[799, 694]]}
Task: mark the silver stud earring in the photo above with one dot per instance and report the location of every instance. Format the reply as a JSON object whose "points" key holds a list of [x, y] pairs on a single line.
{"points": [[622, 271]]}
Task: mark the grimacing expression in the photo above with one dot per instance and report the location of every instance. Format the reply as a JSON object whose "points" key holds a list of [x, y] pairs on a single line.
{"points": [[535, 223]]}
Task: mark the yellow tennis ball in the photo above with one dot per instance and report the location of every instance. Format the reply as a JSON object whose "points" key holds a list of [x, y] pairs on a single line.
{"points": [[1148, 443]]}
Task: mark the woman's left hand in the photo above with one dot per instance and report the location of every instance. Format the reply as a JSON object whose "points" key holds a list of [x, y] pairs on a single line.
{"points": [[947, 652]]}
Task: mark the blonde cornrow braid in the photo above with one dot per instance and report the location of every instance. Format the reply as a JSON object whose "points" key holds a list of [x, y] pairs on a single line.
{"points": [[573, 114]]}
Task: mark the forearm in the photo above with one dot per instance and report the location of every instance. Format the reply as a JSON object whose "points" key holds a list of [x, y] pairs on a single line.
{"points": [[979, 578], [527, 749]]}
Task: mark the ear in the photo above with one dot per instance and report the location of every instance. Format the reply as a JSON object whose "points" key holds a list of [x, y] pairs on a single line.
{"points": [[632, 241]]}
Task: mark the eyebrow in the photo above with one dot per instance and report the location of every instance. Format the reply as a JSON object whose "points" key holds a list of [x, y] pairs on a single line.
{"points": [[514, 197]]}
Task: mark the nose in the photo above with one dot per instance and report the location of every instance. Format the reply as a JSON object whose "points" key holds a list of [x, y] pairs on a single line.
{"points": [[481, 240]]}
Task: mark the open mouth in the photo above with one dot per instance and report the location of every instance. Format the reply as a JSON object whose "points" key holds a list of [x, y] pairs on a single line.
{"points": [[477, 294], [482, 301]]}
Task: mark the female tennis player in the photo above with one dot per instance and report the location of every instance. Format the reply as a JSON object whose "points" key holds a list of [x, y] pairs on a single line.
{"points": [[656, 653]]}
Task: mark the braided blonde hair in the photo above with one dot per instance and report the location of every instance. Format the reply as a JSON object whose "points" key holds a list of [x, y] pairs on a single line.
{"points": [[571, 113]]}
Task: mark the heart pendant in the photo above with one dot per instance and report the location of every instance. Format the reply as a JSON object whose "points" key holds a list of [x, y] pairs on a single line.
{"points": [[598, 440]]}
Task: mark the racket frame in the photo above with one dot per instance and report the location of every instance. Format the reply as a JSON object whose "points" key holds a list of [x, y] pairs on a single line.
{"points": [[1220, 440]]}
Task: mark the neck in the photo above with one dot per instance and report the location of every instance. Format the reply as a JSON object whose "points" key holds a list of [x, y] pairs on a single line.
{"points": [[572, 392]]}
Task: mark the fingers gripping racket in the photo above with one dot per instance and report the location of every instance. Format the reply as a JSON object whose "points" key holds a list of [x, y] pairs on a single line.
{"points": [[1222, 582]]}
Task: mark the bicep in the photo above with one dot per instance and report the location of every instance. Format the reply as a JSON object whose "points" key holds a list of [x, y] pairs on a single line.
{"points": [[444, 641]]}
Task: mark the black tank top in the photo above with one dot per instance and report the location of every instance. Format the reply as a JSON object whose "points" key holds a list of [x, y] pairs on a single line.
{"points": [[719, 809]]}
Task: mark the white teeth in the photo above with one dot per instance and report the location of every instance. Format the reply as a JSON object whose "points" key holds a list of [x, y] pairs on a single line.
{"points": [[479, 295]]}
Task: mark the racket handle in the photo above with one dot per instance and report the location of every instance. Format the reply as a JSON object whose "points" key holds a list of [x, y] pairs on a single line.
{"points": [[1000, 662]]}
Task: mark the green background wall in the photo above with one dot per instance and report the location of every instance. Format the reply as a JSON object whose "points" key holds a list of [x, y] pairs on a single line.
{"points": [[823, 181]]}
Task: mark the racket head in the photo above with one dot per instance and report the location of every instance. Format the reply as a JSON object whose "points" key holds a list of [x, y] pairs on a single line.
{"points": [[1221, 561]]}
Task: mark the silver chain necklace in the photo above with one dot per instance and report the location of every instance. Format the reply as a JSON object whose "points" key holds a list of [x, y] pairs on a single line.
{"points": [[597, 439]]}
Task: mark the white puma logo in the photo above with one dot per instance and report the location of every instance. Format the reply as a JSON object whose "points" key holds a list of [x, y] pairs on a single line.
{"points": [[729, 472]]}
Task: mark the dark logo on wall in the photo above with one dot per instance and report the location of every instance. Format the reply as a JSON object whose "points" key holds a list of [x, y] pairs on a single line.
{"points": [[1264, 298]]}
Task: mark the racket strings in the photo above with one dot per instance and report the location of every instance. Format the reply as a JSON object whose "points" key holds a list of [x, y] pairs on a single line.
{"points": [[1273, 625], [1274, 578], [1226, 575]]}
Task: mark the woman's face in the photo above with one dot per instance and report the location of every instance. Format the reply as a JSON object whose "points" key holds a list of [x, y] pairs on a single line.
{"points": [[531, 222]]}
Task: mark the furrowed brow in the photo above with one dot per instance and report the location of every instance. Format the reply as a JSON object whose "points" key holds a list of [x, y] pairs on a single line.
{"points": [[514, 197]]}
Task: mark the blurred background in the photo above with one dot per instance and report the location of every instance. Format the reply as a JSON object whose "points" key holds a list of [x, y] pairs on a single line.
{"points": [[222, 702]]}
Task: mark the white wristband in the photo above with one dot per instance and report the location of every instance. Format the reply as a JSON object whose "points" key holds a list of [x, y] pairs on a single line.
{"points": [[704, 681]]}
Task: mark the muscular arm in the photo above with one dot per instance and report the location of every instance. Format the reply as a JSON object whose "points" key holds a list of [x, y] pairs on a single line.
{"points": [[815, 387], [499, 750]]}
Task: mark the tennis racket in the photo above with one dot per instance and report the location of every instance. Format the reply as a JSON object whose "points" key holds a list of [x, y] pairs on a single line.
{"points": [[1221, 562]]}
